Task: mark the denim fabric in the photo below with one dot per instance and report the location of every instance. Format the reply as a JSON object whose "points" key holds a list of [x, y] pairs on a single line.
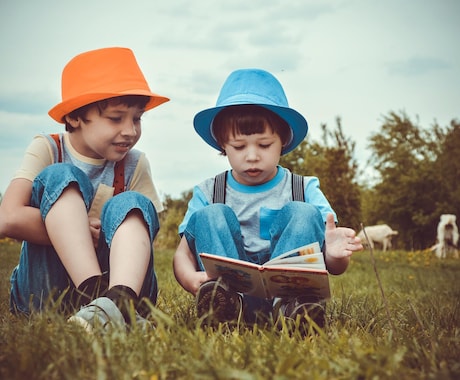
{"points": [[40, 273], [215, 229]]}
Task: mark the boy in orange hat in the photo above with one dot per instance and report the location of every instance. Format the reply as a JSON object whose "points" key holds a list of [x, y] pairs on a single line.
{"points": [[83, 202]]}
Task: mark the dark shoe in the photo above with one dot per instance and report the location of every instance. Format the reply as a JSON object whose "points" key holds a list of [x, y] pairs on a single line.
{"points": [[301, 312], [216, 303]]}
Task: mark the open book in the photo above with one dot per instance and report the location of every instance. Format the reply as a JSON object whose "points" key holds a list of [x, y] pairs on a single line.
{"points": [[301, 271]]}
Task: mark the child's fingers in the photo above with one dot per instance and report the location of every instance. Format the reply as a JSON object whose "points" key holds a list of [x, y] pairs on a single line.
{"points": [[330, 223]]}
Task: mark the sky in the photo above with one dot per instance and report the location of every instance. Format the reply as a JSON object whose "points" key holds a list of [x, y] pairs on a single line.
{"points": [[357, 60]]}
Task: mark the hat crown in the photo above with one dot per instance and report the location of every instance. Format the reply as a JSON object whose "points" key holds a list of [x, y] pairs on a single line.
{"points": [[101, 74], [108, 70], [257, 87], [252, 86]]}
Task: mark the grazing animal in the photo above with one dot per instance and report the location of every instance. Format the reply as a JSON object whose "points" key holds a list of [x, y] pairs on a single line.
{"points": [[447, 238], [381, 233]]}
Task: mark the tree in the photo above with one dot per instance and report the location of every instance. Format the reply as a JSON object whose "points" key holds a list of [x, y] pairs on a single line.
{"points": [[447, 168], [334, 164], [411, 187]]}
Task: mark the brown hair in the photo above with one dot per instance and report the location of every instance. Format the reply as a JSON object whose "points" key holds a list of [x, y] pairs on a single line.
{"points": [[127, 100], [248, 120]]}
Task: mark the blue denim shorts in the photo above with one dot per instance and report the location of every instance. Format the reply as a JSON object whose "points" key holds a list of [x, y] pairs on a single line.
{"points": [[40, 274]]}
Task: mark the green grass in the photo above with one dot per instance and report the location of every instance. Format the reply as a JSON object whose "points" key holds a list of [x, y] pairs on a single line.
{"points": [[417, 336]]}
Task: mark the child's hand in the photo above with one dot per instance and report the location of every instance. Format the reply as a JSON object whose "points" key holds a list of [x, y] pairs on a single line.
{"points": [[197, 280], [95, 228], [341, 242]]}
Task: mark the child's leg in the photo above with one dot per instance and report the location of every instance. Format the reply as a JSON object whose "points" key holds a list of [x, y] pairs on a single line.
{"points": [[41, 271], [68, 229], [215, 229], [296, 224], [129, 224], [130, 252]]}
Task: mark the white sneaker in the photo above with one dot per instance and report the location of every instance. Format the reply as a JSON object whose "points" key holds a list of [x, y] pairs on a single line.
{"points": [[100, 313]]}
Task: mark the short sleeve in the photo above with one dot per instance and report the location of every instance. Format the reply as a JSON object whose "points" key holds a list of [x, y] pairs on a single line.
{"points": [[37, 157]]}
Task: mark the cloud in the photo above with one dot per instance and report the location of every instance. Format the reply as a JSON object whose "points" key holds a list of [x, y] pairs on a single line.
{"points": [[348, 58], [27, 103], [417, 66]]}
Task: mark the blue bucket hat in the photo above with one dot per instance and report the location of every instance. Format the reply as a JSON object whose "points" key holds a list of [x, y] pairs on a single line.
{"points": [[255, 87]]}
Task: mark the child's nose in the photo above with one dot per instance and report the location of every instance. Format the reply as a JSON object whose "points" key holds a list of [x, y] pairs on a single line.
{"points": [[252, 154], [129, 129]]}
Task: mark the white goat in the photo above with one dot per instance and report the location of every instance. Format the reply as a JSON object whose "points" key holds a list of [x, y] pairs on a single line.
{"points": [[447, 239], [381, 233]]}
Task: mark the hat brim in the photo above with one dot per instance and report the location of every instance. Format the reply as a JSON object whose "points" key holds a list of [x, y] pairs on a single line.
{"points": [[202, 123], [60, 110]]}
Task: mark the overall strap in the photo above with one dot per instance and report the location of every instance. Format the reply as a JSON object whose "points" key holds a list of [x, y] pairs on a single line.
{"points": [[298, 193], [220, 182], [57, 140], [119, 174], [119, 177]]}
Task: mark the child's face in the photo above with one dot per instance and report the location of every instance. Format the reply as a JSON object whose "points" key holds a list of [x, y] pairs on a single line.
{"points": [[254, 158], [108, 134]]}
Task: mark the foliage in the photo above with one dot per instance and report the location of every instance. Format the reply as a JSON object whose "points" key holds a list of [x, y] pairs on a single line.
{"points": [[423, 342], [170, 219], [333, 162], [447, 166], [416, 183]]}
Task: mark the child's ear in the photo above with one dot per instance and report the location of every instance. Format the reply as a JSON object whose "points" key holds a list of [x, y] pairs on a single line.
{"points": [[74, 123]]}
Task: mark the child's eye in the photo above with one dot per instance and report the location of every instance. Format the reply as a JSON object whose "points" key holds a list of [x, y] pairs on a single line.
{"points": [[265, 146], [238, 147], [115, 119]]}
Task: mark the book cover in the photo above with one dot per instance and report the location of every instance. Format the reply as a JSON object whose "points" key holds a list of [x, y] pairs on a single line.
{"points": [[301, 271]]}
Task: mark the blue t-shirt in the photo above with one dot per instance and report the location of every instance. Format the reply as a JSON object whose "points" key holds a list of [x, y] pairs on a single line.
{"points": [[257, 206]]}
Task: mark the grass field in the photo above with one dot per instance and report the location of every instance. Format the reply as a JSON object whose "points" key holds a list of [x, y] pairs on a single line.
{"points": [[410, 331]]}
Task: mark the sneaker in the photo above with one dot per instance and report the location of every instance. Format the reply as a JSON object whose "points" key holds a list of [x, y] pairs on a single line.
{"points": [[142, 323], [100, 313], [216, 303], [301, 311]]}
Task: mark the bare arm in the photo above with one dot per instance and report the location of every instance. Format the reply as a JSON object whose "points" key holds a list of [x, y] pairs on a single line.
{"points": [[184, 265], [18, 220], [341, 242]]}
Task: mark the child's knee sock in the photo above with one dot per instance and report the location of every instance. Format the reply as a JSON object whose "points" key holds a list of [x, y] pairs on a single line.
{"points": [[125, 298], [90, 289]]}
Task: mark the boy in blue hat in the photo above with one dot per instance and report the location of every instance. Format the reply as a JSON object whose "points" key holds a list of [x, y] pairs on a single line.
{"points": [[255, 215]]}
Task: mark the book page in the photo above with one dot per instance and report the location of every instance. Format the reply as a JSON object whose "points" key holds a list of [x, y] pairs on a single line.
{"points": [[311, 260], [310, 253]]}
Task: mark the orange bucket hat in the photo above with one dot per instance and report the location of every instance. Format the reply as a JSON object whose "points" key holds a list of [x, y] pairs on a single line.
{"points": [[101, 74]]}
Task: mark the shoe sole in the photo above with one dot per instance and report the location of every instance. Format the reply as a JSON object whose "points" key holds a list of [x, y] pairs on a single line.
{"points": [[215, 302], [82, 323], [310, 311]]}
